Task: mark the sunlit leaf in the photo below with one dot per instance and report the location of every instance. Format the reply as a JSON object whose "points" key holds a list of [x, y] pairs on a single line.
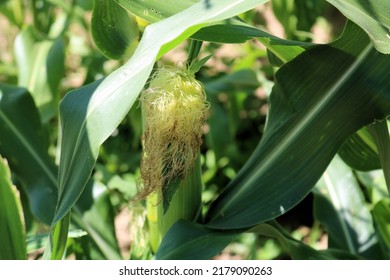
{"points": [[228, 31], [372, 16], [90, 114], [156, 10], [41, 68], [340, 206]]}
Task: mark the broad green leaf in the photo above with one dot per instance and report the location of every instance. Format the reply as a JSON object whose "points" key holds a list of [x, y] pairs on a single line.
{"points": [[236, 31], [12, 233], [360, 151], [90, 114], [23, 143], [189, 241], [114, 31], [340, 206], [381, 214], [155, 10], [296, 249], [41, 68], [319, 99], [372, 16], [283, 52], [228, 31]]}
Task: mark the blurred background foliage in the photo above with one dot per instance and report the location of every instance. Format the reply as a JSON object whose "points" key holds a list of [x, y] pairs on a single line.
{"points": [[47, 47]]}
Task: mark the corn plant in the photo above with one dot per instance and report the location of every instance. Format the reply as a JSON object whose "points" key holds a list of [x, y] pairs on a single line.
{"points": [[195, 187]]}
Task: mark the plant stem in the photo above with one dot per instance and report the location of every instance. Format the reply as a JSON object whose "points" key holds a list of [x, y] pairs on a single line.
{"points": [[58, 239]]}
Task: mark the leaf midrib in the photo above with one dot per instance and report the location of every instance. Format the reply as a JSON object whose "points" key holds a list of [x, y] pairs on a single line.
{"points": [[300, 126], [29, 148]]}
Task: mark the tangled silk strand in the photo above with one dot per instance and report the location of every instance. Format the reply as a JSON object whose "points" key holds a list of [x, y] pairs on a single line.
{"points": [[175, 109]]}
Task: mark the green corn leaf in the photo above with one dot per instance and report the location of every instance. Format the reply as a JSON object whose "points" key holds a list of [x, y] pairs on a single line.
{"points": [[155, 10], [189, 241], [12, 241], [228, 31], [340, 206], [41, 68], [372, 16], [114, 31], [25, 146], [319, 99], [360, 151], [296, 249], [23, 143], [90, 114]]}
